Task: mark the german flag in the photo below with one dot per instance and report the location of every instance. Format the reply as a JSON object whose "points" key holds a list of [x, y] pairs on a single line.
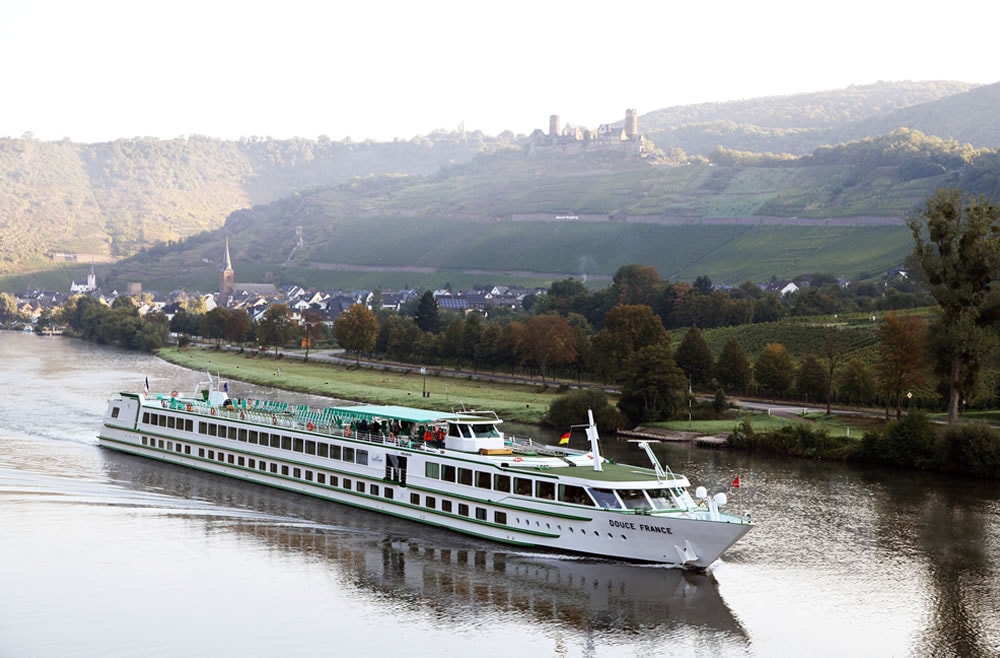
{"points": [[564, 439]]}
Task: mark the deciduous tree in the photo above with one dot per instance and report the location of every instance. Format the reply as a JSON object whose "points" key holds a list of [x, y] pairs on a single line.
{"points": [[958, 250], [627, 329], [635, 284], [732, 370], [654, 387], [810, 379], [832, 351], [695, 358], [237, 327], [546, 340], [213, 323], [8, 307], [774, 369], [856, 383], [901, 366], [276, 327], [312, 328], [356, 329]]}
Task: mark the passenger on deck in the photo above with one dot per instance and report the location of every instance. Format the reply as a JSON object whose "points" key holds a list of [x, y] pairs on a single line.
{"points": [[362, 427], [439, 437], [428, 437]]}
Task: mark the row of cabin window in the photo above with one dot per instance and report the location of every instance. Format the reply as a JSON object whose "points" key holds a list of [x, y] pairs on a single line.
{"points": [[172, 446], [430, 502], [284, 442], [480, 513], [521, 486], [305, 446], [163, 420], [268, 467]]}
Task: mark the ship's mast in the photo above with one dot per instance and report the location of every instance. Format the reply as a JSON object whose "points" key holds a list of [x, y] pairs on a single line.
{"points": [[594, 440]]}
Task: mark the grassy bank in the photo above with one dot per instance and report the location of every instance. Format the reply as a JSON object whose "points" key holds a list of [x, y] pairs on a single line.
{"points": [[512, 402], [834, 425]]}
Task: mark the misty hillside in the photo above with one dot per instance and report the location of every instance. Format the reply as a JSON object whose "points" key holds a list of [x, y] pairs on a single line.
{"points": [[100, 203], [800, 123]]}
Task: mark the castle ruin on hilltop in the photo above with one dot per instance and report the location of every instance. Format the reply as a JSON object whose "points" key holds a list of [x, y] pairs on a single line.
{"points": [[607, 137]]}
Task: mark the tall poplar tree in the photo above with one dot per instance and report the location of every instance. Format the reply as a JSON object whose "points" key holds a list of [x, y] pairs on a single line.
{"points": [[958, 250]]}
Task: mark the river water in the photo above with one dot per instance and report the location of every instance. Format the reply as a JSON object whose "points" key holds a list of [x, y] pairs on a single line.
{"points": [[103, 554]]}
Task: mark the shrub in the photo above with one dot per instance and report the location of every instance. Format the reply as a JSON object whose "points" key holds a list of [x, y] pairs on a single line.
{"points": [[911, 441], [719, 402], [571, 409], [799, 440], [973, 449]]}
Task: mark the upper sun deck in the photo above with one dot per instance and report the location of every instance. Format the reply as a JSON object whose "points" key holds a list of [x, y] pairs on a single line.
{"points": [[467, 434], [582, 469]]}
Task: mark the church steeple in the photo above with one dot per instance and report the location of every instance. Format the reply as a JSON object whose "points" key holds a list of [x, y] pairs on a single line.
{"points": [[226, 279]]}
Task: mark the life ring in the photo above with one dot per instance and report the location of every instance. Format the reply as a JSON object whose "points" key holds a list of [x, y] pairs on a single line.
{"points": [[310, 426], [213, 411], [173, 394], [347, 430], [519, 459], [188, 407], [243, 416], [274, 420]]}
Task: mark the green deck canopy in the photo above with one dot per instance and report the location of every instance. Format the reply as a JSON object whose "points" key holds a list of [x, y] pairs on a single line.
{"points": [[370, 412]]}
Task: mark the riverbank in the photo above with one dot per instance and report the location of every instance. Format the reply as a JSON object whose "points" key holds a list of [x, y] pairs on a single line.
{"points": [[518, 402]]}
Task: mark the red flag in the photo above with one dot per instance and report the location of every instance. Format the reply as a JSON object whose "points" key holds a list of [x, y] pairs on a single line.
{"points": [[736, 482]]}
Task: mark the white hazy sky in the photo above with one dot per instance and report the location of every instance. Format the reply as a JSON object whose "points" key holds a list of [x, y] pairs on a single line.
{"points": [[97, 70]]}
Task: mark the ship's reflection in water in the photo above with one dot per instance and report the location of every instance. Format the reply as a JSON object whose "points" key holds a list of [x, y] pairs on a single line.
{"points": [[422, 569]]}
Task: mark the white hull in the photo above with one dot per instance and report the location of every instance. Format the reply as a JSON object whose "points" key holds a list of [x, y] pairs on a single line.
{"points": [[393, 479]]}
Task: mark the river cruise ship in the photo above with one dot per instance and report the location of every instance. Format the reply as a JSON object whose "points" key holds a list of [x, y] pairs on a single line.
{"points": [[453, 470]]}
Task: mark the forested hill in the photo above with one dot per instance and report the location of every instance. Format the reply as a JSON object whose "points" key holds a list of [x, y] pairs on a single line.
{"points": [[801, 123], [104, 202], [547, 215]]}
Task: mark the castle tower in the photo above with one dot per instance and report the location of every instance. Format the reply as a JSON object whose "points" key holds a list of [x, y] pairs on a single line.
{"points": [[632, 123], [554, 125], [226, 279]]}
